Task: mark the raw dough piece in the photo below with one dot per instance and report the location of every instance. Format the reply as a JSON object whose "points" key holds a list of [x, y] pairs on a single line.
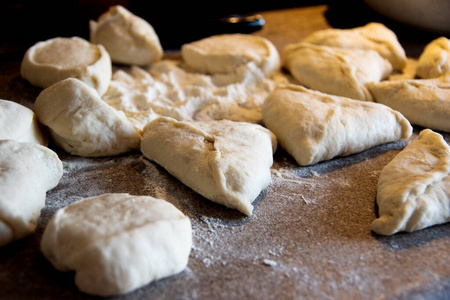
{"points": [[226, 162], [424, 102], [117, 243], [313, 126], [413, 190], [19, 123], [435, 59], [81, 123], [128, 38], [50, 61], [372, 36], [224, 53], [336, 71], [27, 172]]}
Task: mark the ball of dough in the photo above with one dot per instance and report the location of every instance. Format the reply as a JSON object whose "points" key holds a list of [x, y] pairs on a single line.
{"points": [[128, 38], [118, 242], [435, 59], [50, 61], [81, 123], [19, 123], [27, 172], [224, 53]]}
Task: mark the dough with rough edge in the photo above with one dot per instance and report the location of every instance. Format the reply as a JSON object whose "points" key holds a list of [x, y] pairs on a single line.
{"points": [[336, 71], [413, 190], [424, 102], [226, 52], [435, 59], [53, 60], [117, 243], [81, 123], [372, 36], [128, 38], [226, 162], [312, 126], [28, 171], [19, 123]]}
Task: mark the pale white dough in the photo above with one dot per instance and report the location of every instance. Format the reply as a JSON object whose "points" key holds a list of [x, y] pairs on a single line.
{"points": [[128, 38], [226, 162], [424, 102], [372, 36], [336, 71], [50, 61], [313, 126], [27, 172], [413, 190], [435, 59], [19, 123], [81, 123], [226, 52], [117, 243]]}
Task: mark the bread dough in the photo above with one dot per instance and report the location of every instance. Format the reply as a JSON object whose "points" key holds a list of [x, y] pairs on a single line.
{"points": [[435, 59], [19, 123], [313, 126], [117, 243], [336, 71], [424, 102], [50, 61], [413, 190], [226, 52], [27, 172], [226, 162], [128, 38], [372, 36], [81, 123]]}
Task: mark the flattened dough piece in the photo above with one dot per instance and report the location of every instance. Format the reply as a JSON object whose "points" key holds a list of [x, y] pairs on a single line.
{"points": [[424, 102], [19, 123], [226, 52], [53, 60], [435, 59], [27, 172], [372, 36], [313, 126], [413, 190], [336, 71], [226, 162], [81, 123], [128, 38], [117, 243]]}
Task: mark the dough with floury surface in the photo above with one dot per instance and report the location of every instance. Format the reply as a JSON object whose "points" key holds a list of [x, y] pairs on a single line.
{"points": [[413, 190], [117, 243], [435, 59], [20, 123], [312, 126], [226, 162], [128, 38], [81, 123], [27, 172], [336, 71], [372, 36], [424, 102]]}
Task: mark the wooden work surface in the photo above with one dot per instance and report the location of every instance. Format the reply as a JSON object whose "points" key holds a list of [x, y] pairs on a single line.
{"points": [[309, 237]]}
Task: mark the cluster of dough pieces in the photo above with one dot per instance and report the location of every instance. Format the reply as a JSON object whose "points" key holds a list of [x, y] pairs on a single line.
{"points": [[338, 103]]}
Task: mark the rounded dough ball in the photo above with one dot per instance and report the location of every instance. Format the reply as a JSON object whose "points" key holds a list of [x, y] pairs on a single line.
{"points": [[19, 123], [224, 53], [50, 61], [128, 38], [435, 59], [118, 242]]}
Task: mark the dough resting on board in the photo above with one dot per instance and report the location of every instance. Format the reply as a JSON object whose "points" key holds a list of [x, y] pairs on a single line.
{"points": [[313, 126], [28, 171], [118, 242], [413, 190], [226, 162], [435, 59]]}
